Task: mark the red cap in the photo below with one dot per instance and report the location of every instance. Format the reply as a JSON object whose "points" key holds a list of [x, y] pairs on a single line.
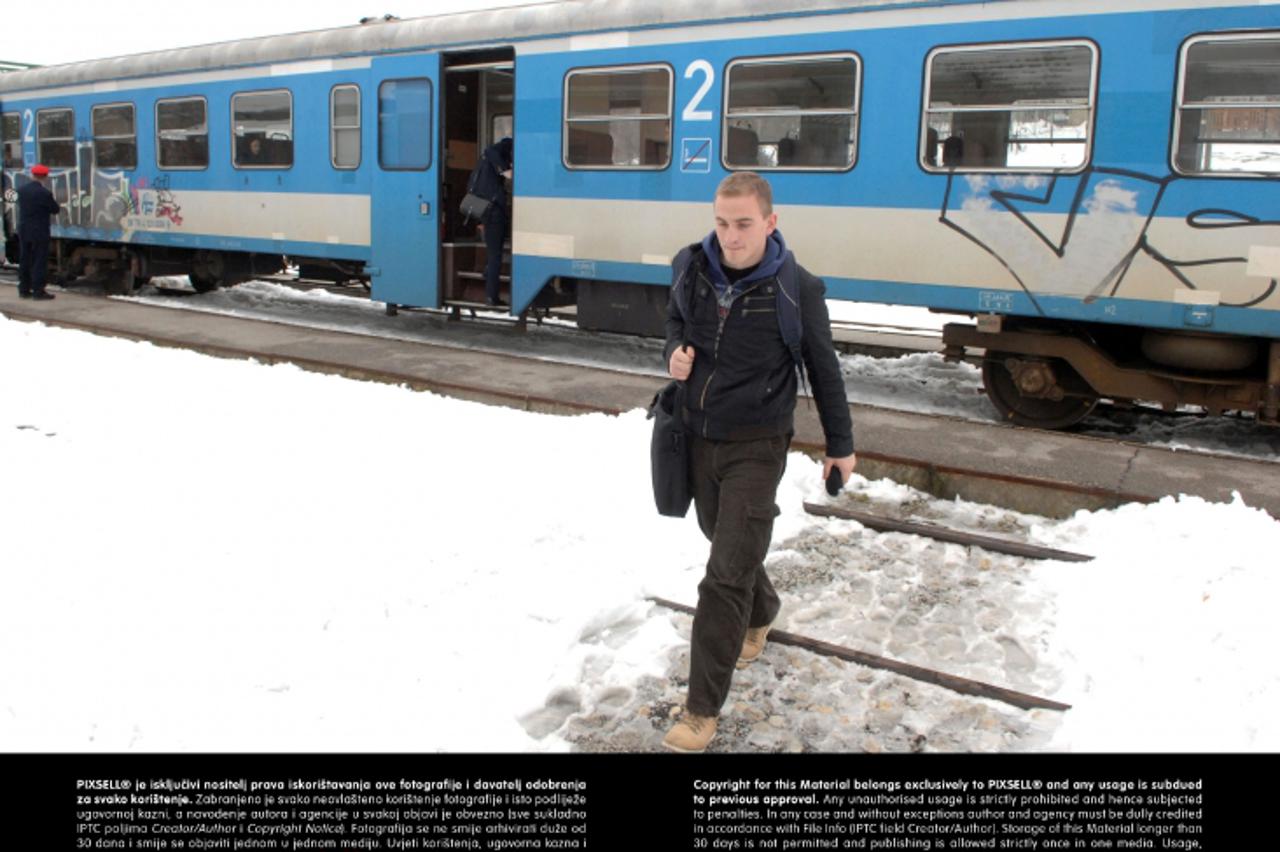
{"points": [[40, 170]]}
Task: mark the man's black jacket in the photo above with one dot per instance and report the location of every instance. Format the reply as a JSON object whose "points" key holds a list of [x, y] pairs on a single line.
{"points": [[743, 384], [487, 181]]}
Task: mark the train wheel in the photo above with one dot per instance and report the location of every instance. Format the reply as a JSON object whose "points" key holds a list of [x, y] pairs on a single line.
{"points": [[1036, 412], [128, 279], [202, 284], [119, 282], [208, 270]]}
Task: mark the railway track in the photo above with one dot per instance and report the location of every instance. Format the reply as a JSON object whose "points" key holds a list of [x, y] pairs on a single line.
{"points": [[877, 340], [924, 674], [884, 340], [558, 338]]}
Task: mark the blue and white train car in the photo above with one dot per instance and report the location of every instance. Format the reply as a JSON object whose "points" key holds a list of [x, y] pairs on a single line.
{"points": [[1097, 181]]}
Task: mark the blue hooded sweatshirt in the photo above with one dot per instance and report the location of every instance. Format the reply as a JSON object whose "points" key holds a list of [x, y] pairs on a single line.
{"points": [[775, 252]]}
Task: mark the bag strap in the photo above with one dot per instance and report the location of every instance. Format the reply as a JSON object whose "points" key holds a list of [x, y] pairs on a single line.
{"points": [[475, 175]]}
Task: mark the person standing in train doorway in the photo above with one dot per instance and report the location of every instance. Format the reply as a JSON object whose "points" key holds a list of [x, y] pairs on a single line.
{"points": [[36, 205], [490, 183], [744, 321]]}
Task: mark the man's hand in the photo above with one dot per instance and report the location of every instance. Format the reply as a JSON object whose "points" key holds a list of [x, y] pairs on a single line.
{"points": [[681, 363], [845, 465]]}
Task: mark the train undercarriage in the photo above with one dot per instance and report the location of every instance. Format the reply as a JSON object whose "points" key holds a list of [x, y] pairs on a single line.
{"points": [[1051, 375], [123, 269]]}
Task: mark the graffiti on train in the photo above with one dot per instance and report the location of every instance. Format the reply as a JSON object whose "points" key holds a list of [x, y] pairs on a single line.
{"points": [[107, 200], [1112, 240]]}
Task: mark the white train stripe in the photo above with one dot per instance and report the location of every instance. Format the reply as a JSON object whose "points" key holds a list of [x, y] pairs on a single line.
{"points": [[305, 217], [979, 249]]}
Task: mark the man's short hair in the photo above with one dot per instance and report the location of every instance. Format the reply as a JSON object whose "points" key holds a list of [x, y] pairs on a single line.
{"points": [[748, 183]]}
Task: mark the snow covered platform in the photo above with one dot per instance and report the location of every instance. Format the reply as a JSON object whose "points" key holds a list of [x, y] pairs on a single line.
{"points": [[1045, 473]]}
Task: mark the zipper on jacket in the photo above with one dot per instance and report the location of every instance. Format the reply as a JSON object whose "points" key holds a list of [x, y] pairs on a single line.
{"points": [[715, 353], [722, 317]]}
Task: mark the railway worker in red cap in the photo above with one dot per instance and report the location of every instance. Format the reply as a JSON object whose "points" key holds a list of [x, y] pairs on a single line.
{"points": [[743, 320], [36, 205]]}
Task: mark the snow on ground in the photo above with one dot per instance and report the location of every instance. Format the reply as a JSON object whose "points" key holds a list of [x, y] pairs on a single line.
{"points": [[206, 554], [1164, 633]]}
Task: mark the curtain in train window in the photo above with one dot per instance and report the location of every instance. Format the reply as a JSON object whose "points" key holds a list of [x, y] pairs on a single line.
{"points": [[11, 134], [344, 127], [404, 124], [1229, 112], [115, 142], [262, 129], [793, 113], [1009, 108], [618, 118], [182, 134], [56, 138]]}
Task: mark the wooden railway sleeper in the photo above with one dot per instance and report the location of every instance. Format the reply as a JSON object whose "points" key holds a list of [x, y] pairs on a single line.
{"points": [[940, 533], [962, 685]]}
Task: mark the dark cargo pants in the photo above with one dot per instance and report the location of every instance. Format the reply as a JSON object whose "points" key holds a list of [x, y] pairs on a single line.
{"points": [[497, 227], [734, 485]]}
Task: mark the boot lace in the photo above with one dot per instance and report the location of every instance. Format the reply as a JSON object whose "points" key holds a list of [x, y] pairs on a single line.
{"points": [[696, 723]]}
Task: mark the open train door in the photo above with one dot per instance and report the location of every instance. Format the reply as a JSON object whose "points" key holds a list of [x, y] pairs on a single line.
{"points": [[406, 241]]}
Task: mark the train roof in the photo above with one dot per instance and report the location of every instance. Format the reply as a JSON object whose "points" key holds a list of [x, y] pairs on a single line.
{"points": [[490, 26]]}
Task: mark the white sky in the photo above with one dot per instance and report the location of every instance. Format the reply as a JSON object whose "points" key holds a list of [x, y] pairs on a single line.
{"points": [[93, 29]]}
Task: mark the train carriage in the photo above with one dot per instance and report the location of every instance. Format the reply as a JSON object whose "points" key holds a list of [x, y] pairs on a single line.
{"points": [[1095, 182]]}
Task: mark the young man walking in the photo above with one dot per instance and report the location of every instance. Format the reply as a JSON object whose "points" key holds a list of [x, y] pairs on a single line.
{"points": [[742, 318]]}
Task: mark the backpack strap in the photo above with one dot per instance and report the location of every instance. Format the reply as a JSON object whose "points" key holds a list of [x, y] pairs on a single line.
{"points": [[682, 282], [789, 321]]}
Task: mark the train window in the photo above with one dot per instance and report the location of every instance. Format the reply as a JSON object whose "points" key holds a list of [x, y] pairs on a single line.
{"points": [[115, 140], [618, 118], [262, 129], [501, 126], [1009, 108], [11, 134], [56, 138], [344, 127], [404, 124], [797, 112], [1228, 118], [182, 133]]}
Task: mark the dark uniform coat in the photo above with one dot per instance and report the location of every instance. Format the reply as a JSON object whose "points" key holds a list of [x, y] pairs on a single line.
{"points": [[35, 205]]}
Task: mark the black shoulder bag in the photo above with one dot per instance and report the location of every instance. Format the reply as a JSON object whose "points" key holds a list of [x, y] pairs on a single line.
{"points": [[669, 452], [669, 448], [474, 206]]}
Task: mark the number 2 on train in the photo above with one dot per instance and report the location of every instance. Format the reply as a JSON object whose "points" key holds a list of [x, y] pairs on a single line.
{"points": [[691, 111]]}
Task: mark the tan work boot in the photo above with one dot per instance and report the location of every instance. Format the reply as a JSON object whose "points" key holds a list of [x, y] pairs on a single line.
{"points": [[691, 734], [753, 645]]}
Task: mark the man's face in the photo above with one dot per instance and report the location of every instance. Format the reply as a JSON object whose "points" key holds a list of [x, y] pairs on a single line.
{"points": [[742, 229]]}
